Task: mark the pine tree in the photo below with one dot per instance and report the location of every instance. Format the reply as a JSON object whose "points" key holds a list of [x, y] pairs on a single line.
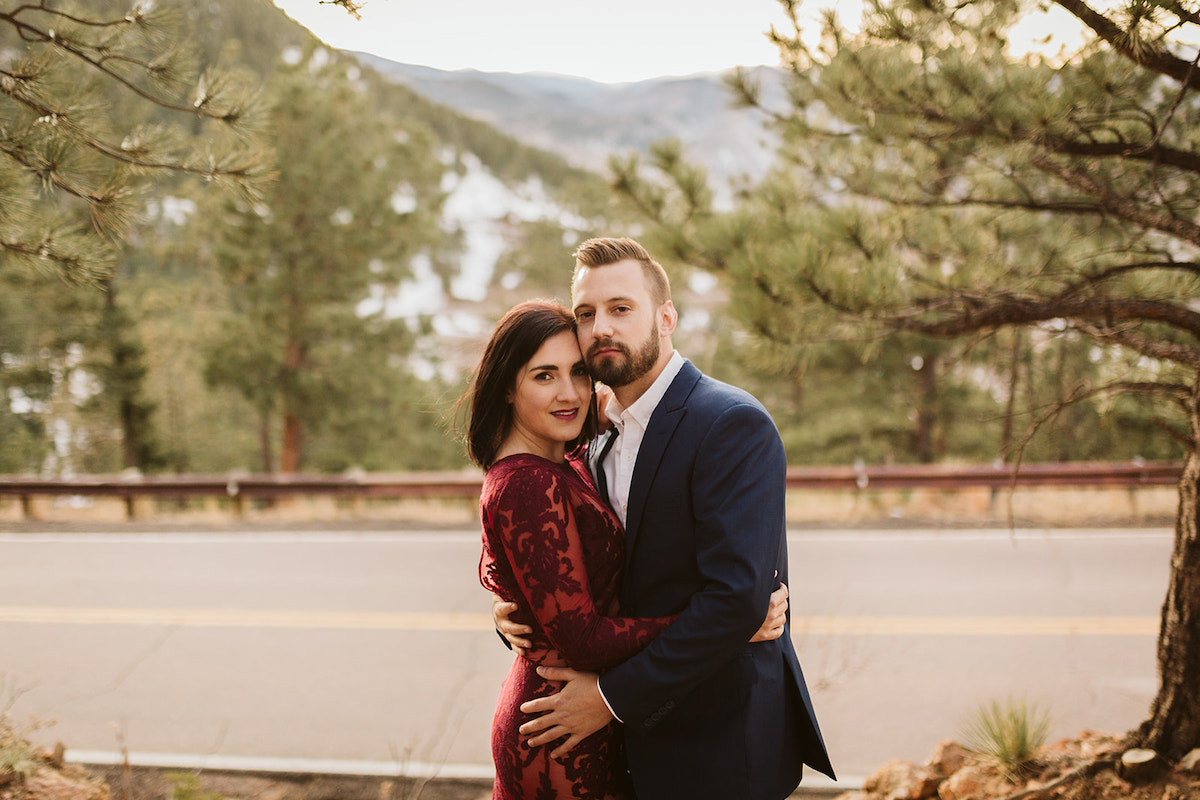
{"points": [[72, 173], [356, 200], [932, 182]]}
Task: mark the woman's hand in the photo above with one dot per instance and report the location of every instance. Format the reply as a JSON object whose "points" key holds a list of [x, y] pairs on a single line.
{"points": [[772, 627], [603, 395], [512, 632]]}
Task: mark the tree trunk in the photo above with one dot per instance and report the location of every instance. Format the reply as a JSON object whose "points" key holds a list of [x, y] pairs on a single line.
{"points": [[130, 451], [927, 385], [1173, 728], [264, 441], [1010, 409], [291, 448]]}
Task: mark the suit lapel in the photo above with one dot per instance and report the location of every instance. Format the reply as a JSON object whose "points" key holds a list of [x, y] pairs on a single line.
{"points": [[596, 452], [666, 417]]}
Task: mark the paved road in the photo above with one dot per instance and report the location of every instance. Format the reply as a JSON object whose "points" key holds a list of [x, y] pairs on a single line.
{"points": [[254, 649]]}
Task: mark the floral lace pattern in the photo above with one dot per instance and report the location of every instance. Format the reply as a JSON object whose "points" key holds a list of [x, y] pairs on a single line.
{"points": [[551, 545]]}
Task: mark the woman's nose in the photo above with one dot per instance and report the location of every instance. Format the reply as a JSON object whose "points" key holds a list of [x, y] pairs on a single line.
{"points": [[568, 390]]}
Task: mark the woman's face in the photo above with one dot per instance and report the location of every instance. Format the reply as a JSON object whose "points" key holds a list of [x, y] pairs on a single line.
{"points": [[551, 396]]}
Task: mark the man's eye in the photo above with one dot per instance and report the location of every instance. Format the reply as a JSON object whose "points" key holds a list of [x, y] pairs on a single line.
{"points": [[582, 315]]}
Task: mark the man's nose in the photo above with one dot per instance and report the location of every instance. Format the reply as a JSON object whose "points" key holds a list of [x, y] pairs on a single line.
{"points": [[601, 327]]}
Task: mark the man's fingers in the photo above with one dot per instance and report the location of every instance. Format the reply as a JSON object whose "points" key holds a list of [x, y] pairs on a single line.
{"points": [[546, 737], [538, 705], [565, 747], [558, 673]]}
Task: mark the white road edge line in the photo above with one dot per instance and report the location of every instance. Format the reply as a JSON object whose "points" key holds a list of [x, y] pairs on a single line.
{"points": [[319, 766]]}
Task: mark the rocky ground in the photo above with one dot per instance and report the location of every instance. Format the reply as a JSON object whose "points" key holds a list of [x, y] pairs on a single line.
{"points": [[1092, 766]]}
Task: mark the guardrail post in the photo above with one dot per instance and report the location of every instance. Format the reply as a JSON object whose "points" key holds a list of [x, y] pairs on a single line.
{"points": [[27, 507], [235, 496]]}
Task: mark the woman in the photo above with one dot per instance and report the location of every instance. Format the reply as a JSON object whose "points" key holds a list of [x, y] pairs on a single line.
{"points": [[550, 545]]}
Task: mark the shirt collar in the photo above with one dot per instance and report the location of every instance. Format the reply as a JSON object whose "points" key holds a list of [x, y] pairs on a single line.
{"points": [[640, 410]]}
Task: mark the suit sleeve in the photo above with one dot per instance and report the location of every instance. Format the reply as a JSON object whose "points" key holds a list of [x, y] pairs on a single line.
{"points": [[537, 529], [738, 490]]}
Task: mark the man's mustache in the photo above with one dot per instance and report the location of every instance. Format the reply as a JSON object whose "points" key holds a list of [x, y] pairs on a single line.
{"points": [[605, 344]]}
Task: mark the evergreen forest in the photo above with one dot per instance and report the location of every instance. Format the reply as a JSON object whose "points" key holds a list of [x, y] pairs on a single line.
{"points": [[216, 237]]}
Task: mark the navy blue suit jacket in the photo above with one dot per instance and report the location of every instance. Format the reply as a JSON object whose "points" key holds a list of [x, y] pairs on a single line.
{"points": [[706, 713]]}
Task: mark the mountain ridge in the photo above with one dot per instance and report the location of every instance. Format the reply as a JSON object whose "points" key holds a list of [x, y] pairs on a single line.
{"points": [[587, 122]]}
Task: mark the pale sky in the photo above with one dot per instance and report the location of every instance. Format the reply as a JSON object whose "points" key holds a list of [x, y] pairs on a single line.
{"points": [[613, 42]]}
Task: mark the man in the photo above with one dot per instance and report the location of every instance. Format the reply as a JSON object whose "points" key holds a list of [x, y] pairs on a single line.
{"points": [[696, 472]]}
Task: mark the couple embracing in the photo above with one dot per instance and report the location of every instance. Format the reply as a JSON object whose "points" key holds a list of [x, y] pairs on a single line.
{"points": [[644, 569]]}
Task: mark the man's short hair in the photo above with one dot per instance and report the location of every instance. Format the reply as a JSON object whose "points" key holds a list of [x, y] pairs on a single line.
{"points": [[603, 252]]}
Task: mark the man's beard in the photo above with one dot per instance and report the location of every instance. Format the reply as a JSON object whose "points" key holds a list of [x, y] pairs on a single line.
{"points": [[614, 372]]}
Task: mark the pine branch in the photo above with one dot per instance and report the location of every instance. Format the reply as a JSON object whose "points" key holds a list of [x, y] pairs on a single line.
{"points": [[1103, 275], [1144, 345], [73, 267], [1153, 152], [46, 172], [1183, 14], [1055, 206], [97, 57], [962, 313], [1154, 58], [1122, 207]]}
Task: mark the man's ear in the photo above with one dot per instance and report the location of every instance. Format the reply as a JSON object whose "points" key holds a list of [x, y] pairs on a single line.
{"points": [[668, 318]]}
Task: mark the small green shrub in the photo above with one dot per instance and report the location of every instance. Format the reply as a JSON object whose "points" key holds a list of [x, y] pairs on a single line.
{"points": [[17, 756], [1008, 734], [186, 786]]}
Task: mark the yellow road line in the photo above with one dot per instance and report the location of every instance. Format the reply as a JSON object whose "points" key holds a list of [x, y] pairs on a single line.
{"points": [[446, 622], [248, 618], [976, 626]]}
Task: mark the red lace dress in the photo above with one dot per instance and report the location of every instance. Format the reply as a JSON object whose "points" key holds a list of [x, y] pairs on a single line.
{"points": [[551, 545]]}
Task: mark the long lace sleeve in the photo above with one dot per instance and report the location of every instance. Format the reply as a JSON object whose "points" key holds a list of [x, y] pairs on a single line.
{"points": [[531, 520]]}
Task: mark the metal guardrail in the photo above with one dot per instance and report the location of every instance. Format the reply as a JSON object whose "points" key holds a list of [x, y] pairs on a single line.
{"points": [[242, 487], [238, 488], [1127, 474]]}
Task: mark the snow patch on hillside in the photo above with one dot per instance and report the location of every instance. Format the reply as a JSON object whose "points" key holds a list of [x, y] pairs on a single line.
{"points": [[482, 208]]}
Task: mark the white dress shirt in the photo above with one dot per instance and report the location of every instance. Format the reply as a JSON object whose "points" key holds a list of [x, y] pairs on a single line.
{"points": [[618, 463], [631, 423]]}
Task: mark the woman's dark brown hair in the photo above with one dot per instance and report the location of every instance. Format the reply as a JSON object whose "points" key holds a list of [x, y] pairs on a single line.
{"points": [[516, 339]]}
